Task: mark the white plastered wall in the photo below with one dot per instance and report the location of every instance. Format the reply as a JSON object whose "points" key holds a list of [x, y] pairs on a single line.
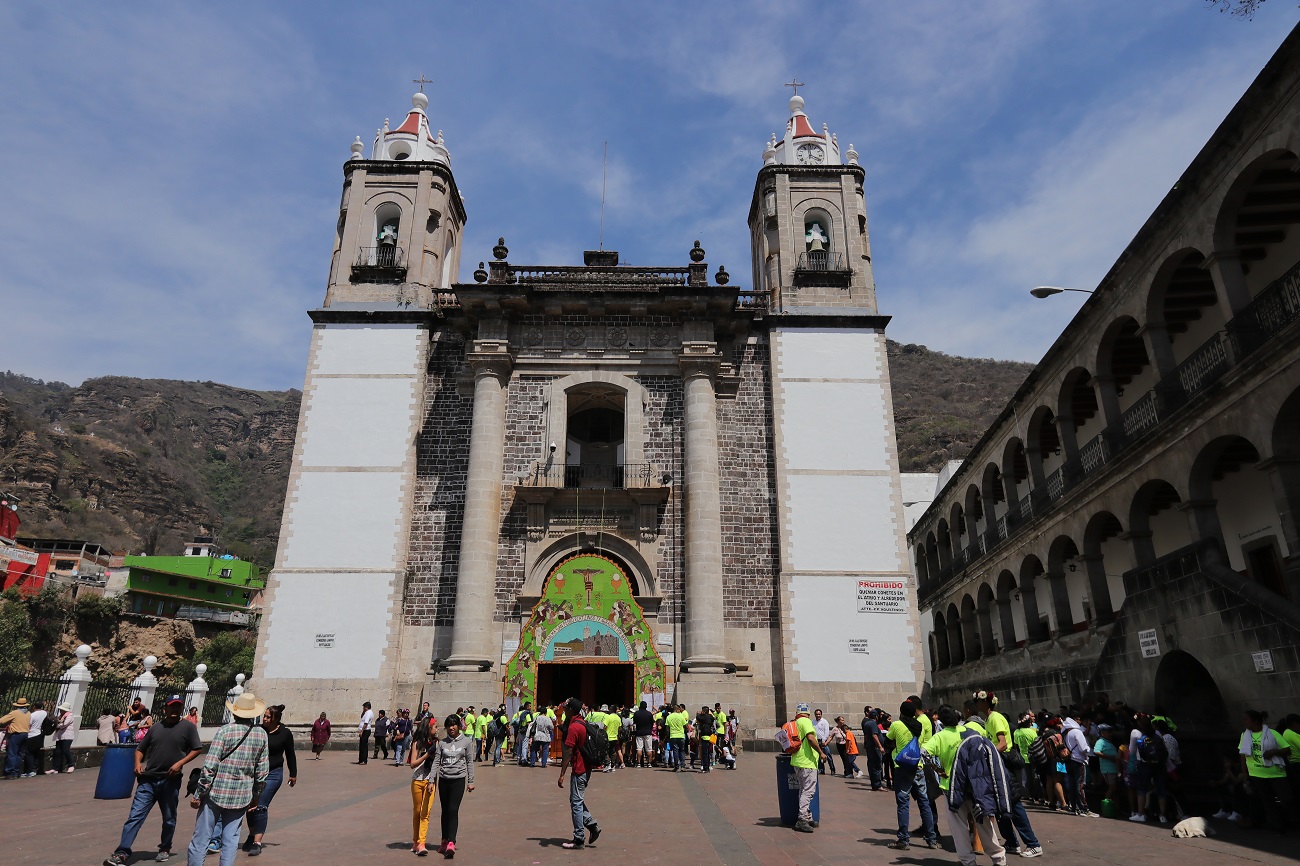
{"points": [[841, 510], [334, 605]]}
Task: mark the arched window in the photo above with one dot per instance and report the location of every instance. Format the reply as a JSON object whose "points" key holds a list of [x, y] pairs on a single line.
{"points": [[817, 237], [388, 223]]}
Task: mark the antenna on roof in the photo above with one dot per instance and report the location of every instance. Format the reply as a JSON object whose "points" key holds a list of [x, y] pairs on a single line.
{"points": [[604, 165]]}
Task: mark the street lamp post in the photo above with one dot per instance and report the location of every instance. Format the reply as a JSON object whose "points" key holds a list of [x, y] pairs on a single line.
{"points": [[1048, 291]]}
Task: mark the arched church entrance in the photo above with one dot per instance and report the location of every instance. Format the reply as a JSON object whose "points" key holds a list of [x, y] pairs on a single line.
{"points": [[587, 638]]}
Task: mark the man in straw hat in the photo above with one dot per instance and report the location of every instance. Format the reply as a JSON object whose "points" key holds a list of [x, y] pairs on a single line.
{"points": [[160, 759], [16, 724], [233, 776]]}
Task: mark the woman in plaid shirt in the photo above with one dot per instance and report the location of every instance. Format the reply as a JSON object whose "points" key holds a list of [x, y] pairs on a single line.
{"points": [[234, 774]]}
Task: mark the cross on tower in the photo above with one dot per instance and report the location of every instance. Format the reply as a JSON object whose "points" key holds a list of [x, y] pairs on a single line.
{"points": [[795, 84], [422, 81]]}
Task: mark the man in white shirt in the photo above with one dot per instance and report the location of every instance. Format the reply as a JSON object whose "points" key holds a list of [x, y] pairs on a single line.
{"points": [[823, 728], [363, 729]]}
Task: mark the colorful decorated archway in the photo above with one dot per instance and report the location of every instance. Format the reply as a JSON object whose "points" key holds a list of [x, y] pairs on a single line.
{"points": [[586, 615]]}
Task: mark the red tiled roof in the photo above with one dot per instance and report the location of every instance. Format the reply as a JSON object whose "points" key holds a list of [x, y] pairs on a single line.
{"points": [[802, 127], [411, 125]]}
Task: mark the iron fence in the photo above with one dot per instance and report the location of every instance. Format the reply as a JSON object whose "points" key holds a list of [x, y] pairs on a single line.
{"points": [[106, 697], [214, 708], [43, 689]]}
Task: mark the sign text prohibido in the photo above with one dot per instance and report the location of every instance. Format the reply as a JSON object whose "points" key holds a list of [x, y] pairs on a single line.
{"points": [[882, 596]]}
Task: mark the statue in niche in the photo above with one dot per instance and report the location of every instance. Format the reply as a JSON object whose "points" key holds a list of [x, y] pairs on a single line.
{"points": [[815, 237]]}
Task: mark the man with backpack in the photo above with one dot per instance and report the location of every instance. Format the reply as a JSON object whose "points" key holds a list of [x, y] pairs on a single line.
{"points": [[805, 759], [581, 744], [523, 721], [909, 777], [705, 725], [979, 793]]}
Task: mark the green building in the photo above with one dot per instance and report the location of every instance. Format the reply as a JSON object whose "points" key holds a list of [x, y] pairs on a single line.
{"points": [[212, 588]]}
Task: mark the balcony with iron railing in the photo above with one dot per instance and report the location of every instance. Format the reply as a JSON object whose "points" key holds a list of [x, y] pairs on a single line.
{"points": [[594, 476], [820, 267], [385, 263], [1272, 311]]}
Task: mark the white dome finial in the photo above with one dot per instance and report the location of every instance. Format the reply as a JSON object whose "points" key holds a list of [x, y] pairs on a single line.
{"points": [[420, 101], [357, 148], [796, 104]]}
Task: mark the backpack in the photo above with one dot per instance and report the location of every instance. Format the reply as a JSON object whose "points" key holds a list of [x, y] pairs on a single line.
{"points": [[595, 749], [706, 726], [789, 737], [1152, 750], [1038, 754], [48, 724]]}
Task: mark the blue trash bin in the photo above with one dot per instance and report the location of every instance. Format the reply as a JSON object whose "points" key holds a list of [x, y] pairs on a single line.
{"points": [[787, 793], [117, 773]]}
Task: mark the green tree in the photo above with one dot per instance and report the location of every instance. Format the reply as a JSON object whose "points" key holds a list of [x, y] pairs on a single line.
{"points": [[15, 634], [227, 654]]}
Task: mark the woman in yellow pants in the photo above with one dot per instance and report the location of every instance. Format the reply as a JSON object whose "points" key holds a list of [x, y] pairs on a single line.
{"points": [[423, 742]]}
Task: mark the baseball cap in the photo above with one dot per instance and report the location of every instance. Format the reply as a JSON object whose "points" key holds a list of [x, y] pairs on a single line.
{"points": [[174, 699]]}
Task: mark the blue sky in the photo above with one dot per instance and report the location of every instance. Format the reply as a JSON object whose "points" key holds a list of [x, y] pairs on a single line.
{"points": [[168, 197]]}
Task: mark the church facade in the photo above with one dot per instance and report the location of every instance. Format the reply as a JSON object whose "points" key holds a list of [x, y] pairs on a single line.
{"points": [[620, 483]]}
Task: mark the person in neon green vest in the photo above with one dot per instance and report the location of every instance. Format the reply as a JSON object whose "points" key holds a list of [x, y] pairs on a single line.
{"points": [[1263, 756]]}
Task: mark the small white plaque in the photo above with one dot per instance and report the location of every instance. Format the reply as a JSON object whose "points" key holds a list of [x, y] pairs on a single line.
{"points": [[324, 641], [858, 645], [664, 638], [1149, 642], [1263, 661]]}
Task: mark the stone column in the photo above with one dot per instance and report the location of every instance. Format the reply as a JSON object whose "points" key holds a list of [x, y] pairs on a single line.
{"points": [[956, 647], [1035, 630], [1144, 550], [988, 646], [1103, 609], [1284, 478], [1229, 282], [235, 692], [1069, 436], [196, 693], [1006, 624], [1159, 349], [1107, 399], [145, 686], [1060, 603], [471, 644], [74, 684], [705, 651], [1204, 517]]}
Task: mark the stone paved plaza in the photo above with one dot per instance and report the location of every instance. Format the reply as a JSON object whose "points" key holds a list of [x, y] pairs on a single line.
{"points": [[342, 813]]}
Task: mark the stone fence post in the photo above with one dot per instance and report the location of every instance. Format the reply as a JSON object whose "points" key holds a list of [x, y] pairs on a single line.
{"points": [[232, 694], [197, 691], [75, 684], [146, 685]]}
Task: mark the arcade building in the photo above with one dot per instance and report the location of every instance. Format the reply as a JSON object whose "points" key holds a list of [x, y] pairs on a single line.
{"points": [[614, 482]]}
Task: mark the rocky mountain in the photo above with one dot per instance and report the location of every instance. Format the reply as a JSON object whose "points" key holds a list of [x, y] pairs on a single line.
{"points": [[141, 464], [944, 403]]}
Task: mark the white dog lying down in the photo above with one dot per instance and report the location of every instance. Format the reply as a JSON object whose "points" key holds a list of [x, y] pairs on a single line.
{"points": [[1190, 827]]}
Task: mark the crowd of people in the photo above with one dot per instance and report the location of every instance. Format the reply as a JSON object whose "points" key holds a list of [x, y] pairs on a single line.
{"points": [[1104, 754], [607, 739], [968, 764]]}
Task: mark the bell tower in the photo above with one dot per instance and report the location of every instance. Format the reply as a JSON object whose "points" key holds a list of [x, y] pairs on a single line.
{"points": [[401, 217], [847, 601], [333, 626], [808, 222]]}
